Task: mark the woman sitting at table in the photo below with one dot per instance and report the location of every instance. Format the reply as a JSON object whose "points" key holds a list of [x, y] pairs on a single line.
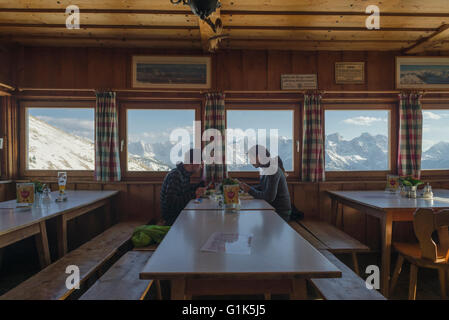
{"points": [[273, 184]]}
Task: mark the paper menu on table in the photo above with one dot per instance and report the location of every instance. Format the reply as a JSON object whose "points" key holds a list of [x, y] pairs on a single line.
{"points": [[230, 243]]}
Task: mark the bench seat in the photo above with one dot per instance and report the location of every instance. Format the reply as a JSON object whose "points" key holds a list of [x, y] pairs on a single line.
{"points": [[121, 281], [50, 283], [335, 240], [349, 287]]}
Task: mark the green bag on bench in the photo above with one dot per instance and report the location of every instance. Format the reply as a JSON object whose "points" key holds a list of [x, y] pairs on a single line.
{"points": [[148, 234]]}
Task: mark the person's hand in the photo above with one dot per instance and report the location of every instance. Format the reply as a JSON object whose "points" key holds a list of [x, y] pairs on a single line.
{"points": [[200, 192], [244, 186]]}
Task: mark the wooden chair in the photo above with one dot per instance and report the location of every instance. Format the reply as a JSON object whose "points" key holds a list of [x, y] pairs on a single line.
{"points": [[426, 253]]}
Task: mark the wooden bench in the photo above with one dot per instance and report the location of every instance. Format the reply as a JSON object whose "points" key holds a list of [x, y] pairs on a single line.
{"points": [[335, 240], [121, 281], [50, 283], [349, 287]]}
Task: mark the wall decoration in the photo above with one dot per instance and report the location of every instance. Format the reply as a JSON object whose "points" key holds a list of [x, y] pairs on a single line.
{"points": [[349, 72], [422, 72], [171, 72], [298, 81]]}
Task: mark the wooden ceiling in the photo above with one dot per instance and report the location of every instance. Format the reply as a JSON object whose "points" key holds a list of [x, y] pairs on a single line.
{"points": [[413, 26]]}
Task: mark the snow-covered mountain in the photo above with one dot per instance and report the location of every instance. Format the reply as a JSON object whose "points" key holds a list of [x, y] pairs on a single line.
{"points": [[366, 152], [51, 148], [436, 157]]}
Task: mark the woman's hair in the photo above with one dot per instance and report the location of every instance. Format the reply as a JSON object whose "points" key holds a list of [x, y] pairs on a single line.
{"points": [[259, 149]]}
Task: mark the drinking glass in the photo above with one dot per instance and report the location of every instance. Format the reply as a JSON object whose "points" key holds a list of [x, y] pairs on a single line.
{"points": [[62, 181]]}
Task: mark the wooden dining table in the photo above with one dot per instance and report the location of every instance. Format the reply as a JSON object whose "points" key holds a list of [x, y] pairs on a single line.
{"points": [[279, 260], [20, 223], [389, 208], [210, 204]]}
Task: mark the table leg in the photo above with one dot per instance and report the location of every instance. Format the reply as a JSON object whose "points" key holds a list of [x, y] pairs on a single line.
{"points": [[299, 291], [42, 246], [178, 289], [61, 231], [387, 227]]}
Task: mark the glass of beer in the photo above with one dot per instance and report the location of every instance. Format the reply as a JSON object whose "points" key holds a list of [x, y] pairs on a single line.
{"points": [[62, 181]]}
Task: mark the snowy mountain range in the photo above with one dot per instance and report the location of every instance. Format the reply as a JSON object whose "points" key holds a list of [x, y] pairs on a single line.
{"points": [[51, 148]]}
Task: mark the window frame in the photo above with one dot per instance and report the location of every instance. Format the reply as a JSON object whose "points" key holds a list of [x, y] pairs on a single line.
{"points": [[195, 104], [23, 106], [296, 107], [393, 140], [434, 173]]}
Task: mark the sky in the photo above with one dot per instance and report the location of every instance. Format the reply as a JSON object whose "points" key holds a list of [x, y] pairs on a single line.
{"points": [[435, 127], [156, 125], [352, 123]]}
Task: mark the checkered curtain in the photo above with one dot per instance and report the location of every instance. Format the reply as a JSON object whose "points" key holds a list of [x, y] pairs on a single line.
{"points": [[410, 134], [313, 140], [215, 119], [107, 157]]}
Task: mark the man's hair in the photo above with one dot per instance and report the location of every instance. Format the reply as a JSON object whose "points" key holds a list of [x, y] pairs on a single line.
{"points": [[189, 156], [260, 150]]}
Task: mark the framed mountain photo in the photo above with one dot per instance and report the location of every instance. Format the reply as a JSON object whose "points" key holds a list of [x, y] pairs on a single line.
{"points": [[422, 72], [171, 72]]}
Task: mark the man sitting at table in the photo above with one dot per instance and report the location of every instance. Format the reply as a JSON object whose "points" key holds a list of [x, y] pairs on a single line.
{"points": [[177, 190]]}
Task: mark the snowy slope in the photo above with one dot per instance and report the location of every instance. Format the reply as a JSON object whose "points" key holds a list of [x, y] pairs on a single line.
{"points": [[53, 149]]}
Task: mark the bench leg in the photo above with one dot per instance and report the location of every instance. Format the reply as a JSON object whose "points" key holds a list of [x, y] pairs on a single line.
{"points": [[413, 281], [396, 273], [42, 245], [355, 262], [299, 291], [442, 277], [178, 289]]}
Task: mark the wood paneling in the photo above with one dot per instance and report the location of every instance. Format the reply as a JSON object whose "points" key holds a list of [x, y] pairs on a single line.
{"points": [[77, 68]]}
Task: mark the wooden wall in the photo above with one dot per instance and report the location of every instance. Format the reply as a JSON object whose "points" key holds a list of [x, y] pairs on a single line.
{"points": [[76, 68], [99, 68], [7, 68]]}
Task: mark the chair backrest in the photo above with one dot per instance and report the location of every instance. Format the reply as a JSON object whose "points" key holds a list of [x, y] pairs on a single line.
{"points": [[426, 222]]}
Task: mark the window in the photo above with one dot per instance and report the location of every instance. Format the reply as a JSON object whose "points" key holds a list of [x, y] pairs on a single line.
{"points": [[279, 122], [435, 143], [60, 138], [149, 144], [357, 140]]}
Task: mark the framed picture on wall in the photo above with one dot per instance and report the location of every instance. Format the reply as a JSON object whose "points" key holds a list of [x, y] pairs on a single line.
{"points": [[171, 72], [422, 72], [349, 72]]}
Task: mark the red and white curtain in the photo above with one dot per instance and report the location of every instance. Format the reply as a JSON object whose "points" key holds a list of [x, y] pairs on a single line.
{"points": [[215, 119], [107, 156], [410, 134], [313, 140]]}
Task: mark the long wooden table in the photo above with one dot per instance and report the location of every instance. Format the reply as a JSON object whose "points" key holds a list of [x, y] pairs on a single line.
{"points": [[280, 259], [18, 223], [388, 207], [209, 204]]}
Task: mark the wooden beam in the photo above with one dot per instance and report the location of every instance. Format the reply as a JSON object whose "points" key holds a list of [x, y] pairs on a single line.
{"points": [[229, 12], [152, 27], [424, 44], [428, 6]]}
